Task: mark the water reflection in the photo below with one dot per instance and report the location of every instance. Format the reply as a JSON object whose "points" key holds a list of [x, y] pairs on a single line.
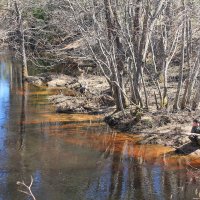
{"points": [[77, 157], [4, 96], [4, 108]]}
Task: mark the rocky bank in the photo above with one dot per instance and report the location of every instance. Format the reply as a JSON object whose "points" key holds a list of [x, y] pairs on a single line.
{"points": [[163, 128], [82, 94]]}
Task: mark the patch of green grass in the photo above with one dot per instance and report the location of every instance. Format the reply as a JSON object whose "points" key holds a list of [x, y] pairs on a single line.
{"points": [[39, 13]]}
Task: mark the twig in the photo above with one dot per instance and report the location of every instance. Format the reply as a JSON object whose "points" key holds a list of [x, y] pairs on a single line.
{"points": [[27, 188]]}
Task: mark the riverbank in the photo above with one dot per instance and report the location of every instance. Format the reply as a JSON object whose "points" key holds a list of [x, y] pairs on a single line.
{"points": [[160, 127], [90, 94], [82, 94]]}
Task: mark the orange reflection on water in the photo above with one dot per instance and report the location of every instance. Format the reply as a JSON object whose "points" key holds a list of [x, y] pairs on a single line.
{"points": [[77, 125], [120, 143], [56, 118], [125, 145], [194, 161], [43, 90], [70, 117]]}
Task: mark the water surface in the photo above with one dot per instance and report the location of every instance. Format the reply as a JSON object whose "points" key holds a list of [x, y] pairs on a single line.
{"points": [[77, 157]]}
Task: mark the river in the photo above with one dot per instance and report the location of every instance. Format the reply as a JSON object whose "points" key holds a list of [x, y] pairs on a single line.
{"points": [[77, 157]]}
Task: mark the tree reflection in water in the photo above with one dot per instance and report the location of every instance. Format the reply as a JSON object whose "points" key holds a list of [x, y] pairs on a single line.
{"points": [[22, 116], [126, 177], [78, 156]]}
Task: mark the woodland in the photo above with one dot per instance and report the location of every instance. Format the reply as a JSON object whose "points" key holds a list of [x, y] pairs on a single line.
{"points": [[134, 64], [148, 51]]}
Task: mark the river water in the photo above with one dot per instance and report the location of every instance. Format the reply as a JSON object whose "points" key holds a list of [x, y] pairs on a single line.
{"points": [[77, 157]]}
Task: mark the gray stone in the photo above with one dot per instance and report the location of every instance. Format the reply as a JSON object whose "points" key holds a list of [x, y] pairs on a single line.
{"points": [[57, 83], [35, 80]]}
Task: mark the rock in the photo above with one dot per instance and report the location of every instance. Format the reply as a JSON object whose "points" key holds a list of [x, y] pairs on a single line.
{"points": [[188, 148], [71, 104], [179, 140], [35, 80], [52, 80], [89, 85], [57, 83], [91, 107], [164, 120], [195, 139], [151, 139], [74, 85], [60, 80], [94, 85], [111, 121], [75, 66], [156, 141], [182, 140], [57, 99], [147, 122], [74, 70], [106, 100]]}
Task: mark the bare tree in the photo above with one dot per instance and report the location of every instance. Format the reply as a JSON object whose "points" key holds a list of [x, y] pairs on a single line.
{"points": [[137, 45], [20, 33], [180, 81]]}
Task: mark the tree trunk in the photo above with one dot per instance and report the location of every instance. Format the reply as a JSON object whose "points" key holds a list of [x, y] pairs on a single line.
{"points": [[164, 103], [117, 65], [195, 73], [196, 99], [24, 59], [22, 41], [180, 82]]}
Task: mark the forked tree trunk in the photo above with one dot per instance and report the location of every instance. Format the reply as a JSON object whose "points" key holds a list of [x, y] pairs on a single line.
{"points": [[141, 44]]}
